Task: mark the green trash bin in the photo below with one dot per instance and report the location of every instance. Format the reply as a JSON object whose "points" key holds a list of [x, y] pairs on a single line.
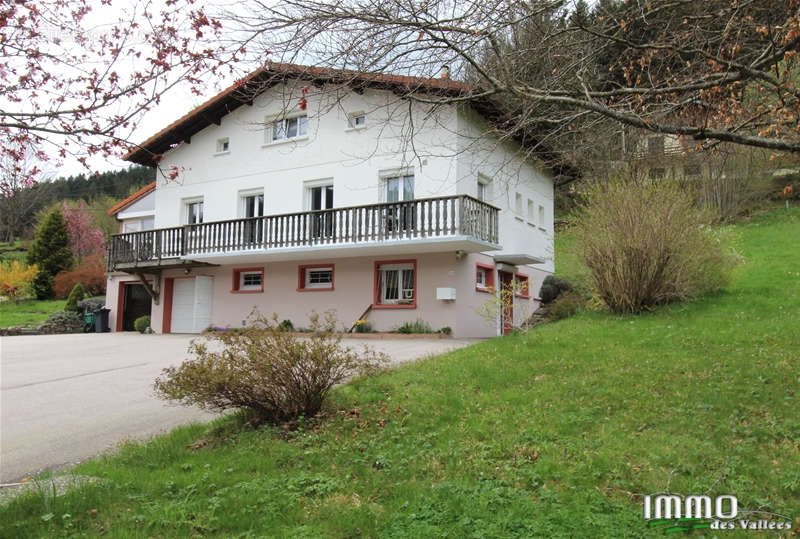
{"points": [[89, 322]]}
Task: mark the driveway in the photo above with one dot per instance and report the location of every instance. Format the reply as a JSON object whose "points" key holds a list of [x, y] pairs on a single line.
{"points": [[66, 398]]}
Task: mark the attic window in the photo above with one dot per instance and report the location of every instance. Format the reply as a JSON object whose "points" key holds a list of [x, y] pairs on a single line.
{"points": [[357, 120], [223, 145], [287, 128]]}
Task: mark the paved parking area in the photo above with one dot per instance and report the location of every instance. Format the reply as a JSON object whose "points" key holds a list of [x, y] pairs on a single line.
{"points": [[66, 398]]}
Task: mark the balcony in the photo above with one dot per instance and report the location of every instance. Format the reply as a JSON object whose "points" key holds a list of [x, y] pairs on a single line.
{"points": [[423, 225]]}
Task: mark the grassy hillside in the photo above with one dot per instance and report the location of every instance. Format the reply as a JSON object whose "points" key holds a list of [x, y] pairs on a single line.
{"points": [[29, 312], [556, 432]]}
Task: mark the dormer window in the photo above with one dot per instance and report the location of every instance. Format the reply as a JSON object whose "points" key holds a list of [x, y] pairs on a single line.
{"points": [[357, 120], [287, 128], [223, 145]]}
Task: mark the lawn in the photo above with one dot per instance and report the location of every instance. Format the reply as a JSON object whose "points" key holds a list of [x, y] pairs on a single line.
{"points": [[29, 312], [556, 432]]}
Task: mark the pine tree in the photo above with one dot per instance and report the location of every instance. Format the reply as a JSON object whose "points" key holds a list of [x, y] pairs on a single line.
{"points": [[50, 252]]}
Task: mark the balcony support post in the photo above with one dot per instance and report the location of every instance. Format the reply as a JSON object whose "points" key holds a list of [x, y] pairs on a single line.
{"points": [[152, 291]]}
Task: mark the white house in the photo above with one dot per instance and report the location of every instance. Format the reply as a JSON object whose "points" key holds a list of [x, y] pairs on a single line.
{"points": [[306, 189]]}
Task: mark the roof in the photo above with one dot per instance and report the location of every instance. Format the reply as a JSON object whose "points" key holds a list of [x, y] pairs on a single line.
{"points": [[245, 90], [119, 206]]}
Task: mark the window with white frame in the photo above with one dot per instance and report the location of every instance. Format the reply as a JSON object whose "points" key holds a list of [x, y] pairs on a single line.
{"points": [[518, 203], [251, 280], [319, 277], [287, 128], [223, 145], [480, 277], [483, 191], [531, 215], [396, 283], [356, 120], [194, 212], [542, 223], [399, 188]]}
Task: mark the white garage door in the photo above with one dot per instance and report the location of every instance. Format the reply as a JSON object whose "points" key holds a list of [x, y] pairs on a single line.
{"points": [[191, 304]]}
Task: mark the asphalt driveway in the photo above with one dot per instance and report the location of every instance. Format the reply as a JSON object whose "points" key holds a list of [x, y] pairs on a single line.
{"points": [[66, 398]]}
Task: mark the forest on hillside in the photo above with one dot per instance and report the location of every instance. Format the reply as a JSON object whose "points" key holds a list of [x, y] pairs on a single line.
{"points": [[21, 208]]}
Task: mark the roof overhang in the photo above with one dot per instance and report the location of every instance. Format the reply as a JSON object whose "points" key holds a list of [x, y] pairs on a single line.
{"points": [[141, 193], [245, 90], [517, 259]]}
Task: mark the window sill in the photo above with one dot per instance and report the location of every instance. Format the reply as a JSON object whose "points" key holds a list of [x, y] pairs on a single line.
{"points": [[485, 289], [350, 129], [284, 141], [522, 296], [226, 152], [543, 229], [520, 219], [247, 291], [394, 305], [326, 289]]}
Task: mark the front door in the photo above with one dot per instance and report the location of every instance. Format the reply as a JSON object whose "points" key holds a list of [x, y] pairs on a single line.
{"points": [[135, 303], [191, 304], [507, 298]]}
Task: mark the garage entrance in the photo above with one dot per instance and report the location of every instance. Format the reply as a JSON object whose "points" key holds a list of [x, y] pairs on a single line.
{"points": [[135, 303], [191, 304]]}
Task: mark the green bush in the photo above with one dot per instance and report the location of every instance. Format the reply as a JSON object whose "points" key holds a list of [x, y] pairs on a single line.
{"points": [[565, 305], [552, 287], [364, 327], [286, 325], [42, 285], [447, 330], [257, 370], [76, 295], [90, 305], [142, 324], [646, 244], [62, 322], [417, 326]]}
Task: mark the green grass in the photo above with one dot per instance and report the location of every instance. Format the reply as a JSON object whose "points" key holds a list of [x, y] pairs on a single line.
{"points": [[556, 432], [30, 312]]}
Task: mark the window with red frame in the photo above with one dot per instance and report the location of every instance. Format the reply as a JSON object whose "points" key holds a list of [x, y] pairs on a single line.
{"points": [[315, 277], [522, 287], [395, 284], [484, 277], [248, 280]]}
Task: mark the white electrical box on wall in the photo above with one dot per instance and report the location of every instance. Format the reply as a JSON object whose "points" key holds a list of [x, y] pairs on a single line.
{"points": [[447, 294]]}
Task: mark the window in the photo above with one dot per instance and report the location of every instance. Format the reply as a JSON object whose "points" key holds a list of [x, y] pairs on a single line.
{"points": [[399, 188], [691, 170], [357, 120], [315, 277], [252, 205], [521, 288], [223, 145], [194, 212], [531, 215], [655, 145], [484, 278], [484, 188], [395, 284], [518, 204], [542, 219], [287, 128], [248, 280]]}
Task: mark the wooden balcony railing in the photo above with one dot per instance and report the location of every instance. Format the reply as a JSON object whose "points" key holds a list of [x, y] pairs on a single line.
{"points": [[439, 217]]}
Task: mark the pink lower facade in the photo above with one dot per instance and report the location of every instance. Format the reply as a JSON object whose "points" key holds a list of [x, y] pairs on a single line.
{"points": [[355, 289]]}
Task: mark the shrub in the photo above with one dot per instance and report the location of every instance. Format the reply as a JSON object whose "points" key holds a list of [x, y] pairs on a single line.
{"points": [[90, 305], [50, 252], [16, 278], [565, 305], [286, 325], [90, 273], [447, 330], [62, 322], [142, 324], [729, 196], [417, 326], [271, 373], [362, 326], [76, 295], [645, 244], [552, 286]]}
